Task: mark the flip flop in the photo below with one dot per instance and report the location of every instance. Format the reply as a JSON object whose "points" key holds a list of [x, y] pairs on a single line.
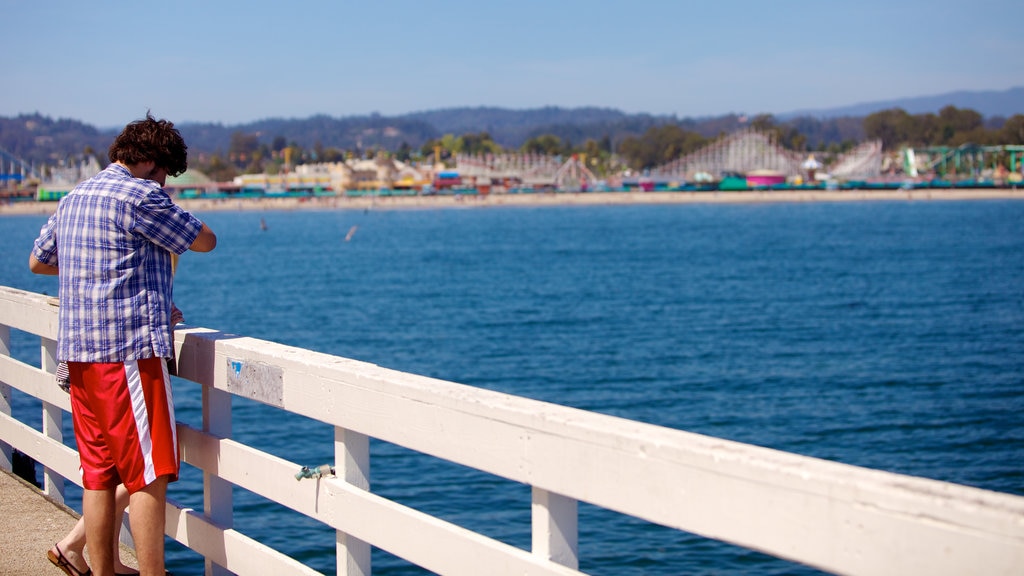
{"points": [[64, 564]]}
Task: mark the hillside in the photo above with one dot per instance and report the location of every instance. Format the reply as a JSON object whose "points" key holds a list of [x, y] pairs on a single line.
{"points": [[989, 103], [40, 139]]}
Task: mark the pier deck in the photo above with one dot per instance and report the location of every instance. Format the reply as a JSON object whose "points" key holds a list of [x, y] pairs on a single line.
{"points": [[29, 525]]}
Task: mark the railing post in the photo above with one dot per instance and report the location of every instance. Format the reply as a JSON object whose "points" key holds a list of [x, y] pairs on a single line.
{"points": [[6, 453], [555, 529], [53, 419], [352, 464], [217, 493]]}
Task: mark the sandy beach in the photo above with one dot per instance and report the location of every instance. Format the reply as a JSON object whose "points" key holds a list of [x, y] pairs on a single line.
{"points": [[561, 199]]}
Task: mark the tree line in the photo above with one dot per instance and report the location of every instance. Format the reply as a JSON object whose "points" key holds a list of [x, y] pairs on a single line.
{"points": [[950, 127], [657, 145], [610, 141]]}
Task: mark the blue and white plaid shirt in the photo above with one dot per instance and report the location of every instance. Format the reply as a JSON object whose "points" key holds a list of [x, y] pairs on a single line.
{"points": [[114, 234]]}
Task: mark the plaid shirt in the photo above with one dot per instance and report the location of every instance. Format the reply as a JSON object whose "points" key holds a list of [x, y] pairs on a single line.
{"points": [[115, 234]]}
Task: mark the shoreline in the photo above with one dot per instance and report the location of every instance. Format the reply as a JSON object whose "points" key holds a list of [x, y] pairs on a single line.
{"points": [[558, 199]]}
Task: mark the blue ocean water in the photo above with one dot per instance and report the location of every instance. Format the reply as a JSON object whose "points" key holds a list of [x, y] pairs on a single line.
{"points": [[880, 334]]}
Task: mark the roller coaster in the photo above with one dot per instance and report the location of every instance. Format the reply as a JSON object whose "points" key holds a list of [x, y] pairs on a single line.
{"points": [[14, 170], [745, 160]]}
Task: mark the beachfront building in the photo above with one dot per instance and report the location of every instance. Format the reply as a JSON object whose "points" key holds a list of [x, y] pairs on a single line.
{"points": [[380, 173], [190, 184]]}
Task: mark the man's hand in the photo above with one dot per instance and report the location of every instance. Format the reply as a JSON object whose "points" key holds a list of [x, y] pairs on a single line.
{"points": [[176, 316]]}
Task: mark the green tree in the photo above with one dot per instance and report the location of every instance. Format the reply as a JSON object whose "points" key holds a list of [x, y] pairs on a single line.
{"points": [[404, 152], [597, 155], [959, 119], [256, 165], [659, 145], [893, 127], [926, 130], [763, 122], [481, 143], [218, 169], [435, 150], [243, 147], [548, 144], [1012, 131], [332, 155], [452, 144]]}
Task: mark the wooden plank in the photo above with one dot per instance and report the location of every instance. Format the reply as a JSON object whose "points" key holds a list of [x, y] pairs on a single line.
{"points": [[34, 382], [228, 548], [427, 541], [48, 452], [28, 311], [555, 527]]}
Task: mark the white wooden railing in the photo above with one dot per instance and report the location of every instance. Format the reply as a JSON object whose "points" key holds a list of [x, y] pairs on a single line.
{"points": [[836, 517]]}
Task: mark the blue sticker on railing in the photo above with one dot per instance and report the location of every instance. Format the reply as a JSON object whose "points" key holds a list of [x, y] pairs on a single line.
{"points": [[256, 380]]}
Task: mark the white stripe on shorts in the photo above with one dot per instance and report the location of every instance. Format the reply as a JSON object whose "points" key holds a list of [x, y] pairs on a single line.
{"points": [[141, 415], [170, 409]]}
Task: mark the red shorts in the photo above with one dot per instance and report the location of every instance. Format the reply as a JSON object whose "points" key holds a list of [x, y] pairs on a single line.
{"points": [[124, 423]]}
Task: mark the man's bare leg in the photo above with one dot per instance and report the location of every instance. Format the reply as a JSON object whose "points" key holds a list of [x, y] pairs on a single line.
{"points": [[121, 498], [148, 514], [98, 511]]}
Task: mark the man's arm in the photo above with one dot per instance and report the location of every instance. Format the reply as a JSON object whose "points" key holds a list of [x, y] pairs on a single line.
{"points": [[205, 242], [38, 267]]}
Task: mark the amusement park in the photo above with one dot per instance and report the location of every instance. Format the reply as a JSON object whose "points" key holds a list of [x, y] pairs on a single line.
{"points": [[748, 159]]}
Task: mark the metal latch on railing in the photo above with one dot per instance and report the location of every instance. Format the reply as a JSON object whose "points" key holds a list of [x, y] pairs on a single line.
{"points": [[314, 473]]}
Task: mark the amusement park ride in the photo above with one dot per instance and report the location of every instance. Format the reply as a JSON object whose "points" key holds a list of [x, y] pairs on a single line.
{"points": [[745, 160]]}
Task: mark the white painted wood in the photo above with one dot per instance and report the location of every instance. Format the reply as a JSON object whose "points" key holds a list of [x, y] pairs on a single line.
{"points": [[419, 538], [555, 530], [53, 417], [218, 499], [33, 381], [48, 356], [833, 516], [233, 550], [352, 457], [28, 311], [6, 451], [55, 456]]}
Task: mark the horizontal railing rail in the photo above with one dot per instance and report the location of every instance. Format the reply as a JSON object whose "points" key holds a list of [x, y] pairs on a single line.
{"points": [[832, 516]]}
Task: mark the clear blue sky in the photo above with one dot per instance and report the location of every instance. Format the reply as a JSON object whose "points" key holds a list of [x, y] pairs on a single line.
{"points": [[106, 63]]}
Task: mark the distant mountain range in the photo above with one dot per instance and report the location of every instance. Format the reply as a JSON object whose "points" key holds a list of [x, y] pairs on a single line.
{"points": [[41, 139], [988, 103]]}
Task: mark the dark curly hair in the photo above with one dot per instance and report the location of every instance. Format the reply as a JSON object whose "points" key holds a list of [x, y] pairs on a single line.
{"points": [[151, 139]]}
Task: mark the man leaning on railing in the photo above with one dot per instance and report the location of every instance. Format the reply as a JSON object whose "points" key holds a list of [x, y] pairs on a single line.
{"points": [[116, 232]]}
